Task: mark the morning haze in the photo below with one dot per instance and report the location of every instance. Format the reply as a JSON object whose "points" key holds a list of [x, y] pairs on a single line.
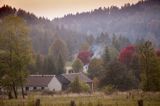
{"points": [[58, 8], [107, 54]]}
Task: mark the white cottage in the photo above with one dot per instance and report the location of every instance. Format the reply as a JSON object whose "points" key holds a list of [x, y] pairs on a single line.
{"points": [[43, 82]]}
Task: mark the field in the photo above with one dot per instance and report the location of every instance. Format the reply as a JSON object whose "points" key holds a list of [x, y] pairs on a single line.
{"points": [[119, 99]]}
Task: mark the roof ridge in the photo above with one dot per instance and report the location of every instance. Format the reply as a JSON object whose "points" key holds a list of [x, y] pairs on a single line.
{"points": [[72, 73], [42, 75]]}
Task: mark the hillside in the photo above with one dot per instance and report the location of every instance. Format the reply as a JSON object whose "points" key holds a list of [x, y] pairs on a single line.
{"points": [[43, 32], [138, 21], [141, 20]]}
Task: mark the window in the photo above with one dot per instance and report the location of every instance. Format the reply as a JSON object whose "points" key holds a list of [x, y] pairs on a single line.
{"points": [[42, 88], [34, 88], [27, 88]]}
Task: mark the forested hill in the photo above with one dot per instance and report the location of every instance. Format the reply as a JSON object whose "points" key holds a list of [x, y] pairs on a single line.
{"points": [[138, 21], [132, 20], [43, 32]]}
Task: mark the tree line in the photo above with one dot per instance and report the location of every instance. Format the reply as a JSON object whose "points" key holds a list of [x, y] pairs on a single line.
{"points": [[135, 67]]}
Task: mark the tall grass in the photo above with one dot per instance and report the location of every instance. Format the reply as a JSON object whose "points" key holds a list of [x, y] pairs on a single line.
{"points": [[81, 100]]}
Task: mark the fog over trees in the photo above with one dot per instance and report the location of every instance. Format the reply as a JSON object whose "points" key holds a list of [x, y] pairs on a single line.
{"points": [[120, 46]]}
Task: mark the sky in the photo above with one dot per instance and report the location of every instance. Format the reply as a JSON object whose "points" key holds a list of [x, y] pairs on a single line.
{"points": [[58, 8]]}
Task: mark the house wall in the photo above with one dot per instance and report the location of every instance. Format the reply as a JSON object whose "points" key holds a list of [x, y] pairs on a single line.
{"points": [[32, 88], [54, 84]]}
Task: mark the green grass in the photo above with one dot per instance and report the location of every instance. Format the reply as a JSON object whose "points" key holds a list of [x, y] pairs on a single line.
{"points": [[84, 100]]}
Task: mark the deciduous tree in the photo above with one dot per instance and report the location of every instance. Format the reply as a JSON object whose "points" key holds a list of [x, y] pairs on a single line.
{"points": [[16, 52]]}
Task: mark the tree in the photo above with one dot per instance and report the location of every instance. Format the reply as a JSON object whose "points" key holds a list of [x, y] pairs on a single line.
{"points": [[49, 66], [106, 57], [16, 52], [158, 52], [76, 86], [60, 65], [150, 77], [90, 39], [103, 38], [39, 64], [95, 68], [127, 55], [119, 42], [58, 52], [85, 56], [118, 76], [96, 82], [77, 65], [115, 42]]}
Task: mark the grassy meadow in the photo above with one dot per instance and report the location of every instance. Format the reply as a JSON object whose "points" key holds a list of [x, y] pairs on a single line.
{"points": [[96, 99]]}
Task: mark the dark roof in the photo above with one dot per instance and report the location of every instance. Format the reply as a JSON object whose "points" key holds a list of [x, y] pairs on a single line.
{"points": [[39, 80], [71, 77], [62, 79], [43, 80]]}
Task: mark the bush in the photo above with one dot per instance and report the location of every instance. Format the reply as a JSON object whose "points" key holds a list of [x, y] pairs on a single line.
{"points": [[77, 86], [85, 87], [109, 89]]}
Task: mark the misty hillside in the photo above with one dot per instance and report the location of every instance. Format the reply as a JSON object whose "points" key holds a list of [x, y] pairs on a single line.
{"points": [[138, 21], [134, 21], [43, 32]]}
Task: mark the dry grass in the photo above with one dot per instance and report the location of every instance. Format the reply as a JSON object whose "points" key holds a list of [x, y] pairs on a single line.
{"points": [[96, 99]]}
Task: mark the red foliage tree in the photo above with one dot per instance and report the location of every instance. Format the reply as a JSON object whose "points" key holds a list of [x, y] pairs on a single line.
{"points": [[85, 56], [127, 54], [158, 52]]}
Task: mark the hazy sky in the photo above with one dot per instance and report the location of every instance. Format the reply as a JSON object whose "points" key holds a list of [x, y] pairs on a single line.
{"points": [[58, 8]]}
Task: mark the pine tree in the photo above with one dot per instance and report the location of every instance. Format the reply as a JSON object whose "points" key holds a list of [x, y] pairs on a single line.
{"points": [[60, 65], [58, 52], [49, 66]]}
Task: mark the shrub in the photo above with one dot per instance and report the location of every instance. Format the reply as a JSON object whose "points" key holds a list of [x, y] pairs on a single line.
{"points": [[85, 87], [109, 89], [77, 86]]}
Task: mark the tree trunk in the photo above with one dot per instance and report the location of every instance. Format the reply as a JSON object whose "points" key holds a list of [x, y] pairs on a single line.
{"points": [[14, 90], [22, 91], [10, 95]]}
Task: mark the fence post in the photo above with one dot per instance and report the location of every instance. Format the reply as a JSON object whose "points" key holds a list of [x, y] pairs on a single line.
{"points": [[140, 102], [73, 103], [38, 102]]}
